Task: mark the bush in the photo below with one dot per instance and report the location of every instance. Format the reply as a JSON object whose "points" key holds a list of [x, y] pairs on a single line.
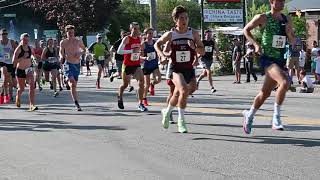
{"points": [[225, 58]]}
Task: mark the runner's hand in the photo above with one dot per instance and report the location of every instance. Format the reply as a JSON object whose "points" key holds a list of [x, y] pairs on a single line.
{"points": [[191, 44], [258, 49]]}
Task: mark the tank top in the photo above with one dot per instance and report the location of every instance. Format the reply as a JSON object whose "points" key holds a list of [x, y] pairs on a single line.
{"points": [[274, 37], [150, 52], [6, 52], [209, 48], [132, 59], [23, 52], [51, 54], [182, 54]]}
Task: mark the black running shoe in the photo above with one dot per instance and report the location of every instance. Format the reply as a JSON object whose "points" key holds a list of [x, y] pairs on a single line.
{"points": [[120, 104], [131, 88]]}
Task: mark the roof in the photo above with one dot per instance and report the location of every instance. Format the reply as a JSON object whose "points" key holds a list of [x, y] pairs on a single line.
{"points": [[303, 5]]}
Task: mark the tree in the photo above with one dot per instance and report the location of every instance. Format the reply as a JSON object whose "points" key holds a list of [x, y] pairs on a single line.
{"points": [[88, 16]]}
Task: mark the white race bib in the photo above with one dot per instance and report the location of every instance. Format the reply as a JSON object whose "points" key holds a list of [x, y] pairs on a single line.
{"points": [[52, 60], [182, 56], [6, 55], [279, 41], [101, 58], [29, 70], [208, 49], [151, 56], [66, 67], [135, 56]]}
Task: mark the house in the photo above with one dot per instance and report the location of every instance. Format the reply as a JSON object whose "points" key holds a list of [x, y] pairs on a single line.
{"points": [[311, 11]]}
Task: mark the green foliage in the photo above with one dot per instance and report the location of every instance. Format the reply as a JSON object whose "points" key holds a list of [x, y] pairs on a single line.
{"points": [[225, 58], [299, 25]]}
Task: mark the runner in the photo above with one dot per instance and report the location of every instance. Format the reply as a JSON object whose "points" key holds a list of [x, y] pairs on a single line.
{"points": [[7, 47], [70, 54], [60, 73], [118, 57], [38, 62], [185, 44], [130, 47], [276, 29], [150, 65], [99, 51], [23, 64], [51, 64], [207, 59]]}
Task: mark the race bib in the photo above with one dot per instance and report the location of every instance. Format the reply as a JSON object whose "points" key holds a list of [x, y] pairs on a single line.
{"points": [[101, 58], [29, 70], [279, 41], [183, 56], [66, 67], [135, 56], [208, 49], [6, 55], [52, 60], [151, 56]]}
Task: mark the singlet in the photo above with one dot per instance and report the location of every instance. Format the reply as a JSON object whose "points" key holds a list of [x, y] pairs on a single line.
{"points": [[132, 59], [182, 55], [209, 48], [6, 52], [23, 51], [51, 54], [38, 51], [149, 51], [98, 50], [274, 37]]}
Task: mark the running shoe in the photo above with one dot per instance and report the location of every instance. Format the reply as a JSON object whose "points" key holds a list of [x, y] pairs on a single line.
{"points": [[145, 102], [55, 94], [165, 118], [142, 108], [40, 88], [67, 86], [152, 90], [131, 88], [1, 99], [182, 128], [213, 90], [111, 77], [78, 108], [61, 89], [98, 84], [33, 108], [276, 123], [120, 104], [247, 122]]}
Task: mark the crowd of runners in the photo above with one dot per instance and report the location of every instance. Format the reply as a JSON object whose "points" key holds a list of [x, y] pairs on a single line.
{"points": [[138, 57]]}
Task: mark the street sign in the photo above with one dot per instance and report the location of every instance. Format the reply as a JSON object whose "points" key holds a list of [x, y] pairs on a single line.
{"points": [[144, 2], [223, 15], [35, 33], [10, 15], [50, 33]]}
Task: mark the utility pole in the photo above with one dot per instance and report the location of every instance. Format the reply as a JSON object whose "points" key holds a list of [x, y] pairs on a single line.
{"points": [[153, 14], [202, 21]]}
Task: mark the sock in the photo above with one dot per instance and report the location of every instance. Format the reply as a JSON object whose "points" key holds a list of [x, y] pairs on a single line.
{"points": [[277, 108], [170, 108], [181, 113], [252, 112]]}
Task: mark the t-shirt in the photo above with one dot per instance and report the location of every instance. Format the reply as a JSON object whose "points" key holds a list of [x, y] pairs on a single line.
{"points": [[234, 54], [116, 45], [314, 52], [308, 81], [250, 54], [294, 51], [98, 50], [302, 58], [317, 60], [209, 48]]}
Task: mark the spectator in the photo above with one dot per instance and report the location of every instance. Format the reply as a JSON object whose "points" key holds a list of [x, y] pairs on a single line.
{"points": [[314, 52], [236, 59], [306, 83], [317, 61], [249, 62]]}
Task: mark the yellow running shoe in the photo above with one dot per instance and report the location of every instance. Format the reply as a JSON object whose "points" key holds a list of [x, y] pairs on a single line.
{"points": [[33, 108]]}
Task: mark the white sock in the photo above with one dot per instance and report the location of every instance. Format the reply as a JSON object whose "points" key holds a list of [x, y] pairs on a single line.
{"points": [[277, 108], [170, 108], [181, 113], [252, 112]]}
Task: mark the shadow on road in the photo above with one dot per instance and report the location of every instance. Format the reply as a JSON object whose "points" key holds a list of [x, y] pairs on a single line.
{"points": [[48, 126], [304, 142]]}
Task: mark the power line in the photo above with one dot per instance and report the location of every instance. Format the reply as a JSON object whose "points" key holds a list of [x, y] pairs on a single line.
{"points": [[15, 4]]}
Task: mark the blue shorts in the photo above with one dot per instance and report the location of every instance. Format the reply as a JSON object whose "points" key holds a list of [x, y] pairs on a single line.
{"points": [[266, 61], [71, 70]]}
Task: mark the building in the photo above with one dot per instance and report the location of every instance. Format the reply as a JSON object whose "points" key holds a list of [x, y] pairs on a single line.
{"points": [[311, 11]]}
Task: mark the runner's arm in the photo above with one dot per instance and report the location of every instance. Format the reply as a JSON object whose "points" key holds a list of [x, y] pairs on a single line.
{"points": [[258, 20], [161, 41], [123, 44], [62, 52], [290, 32], [43, 55], [15, 59], [143, 56], [83, 47], [199, 45]]}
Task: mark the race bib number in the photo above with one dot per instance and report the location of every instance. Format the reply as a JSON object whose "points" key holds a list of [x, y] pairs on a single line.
{"points": [[6, 56], [135, 56], [151, 56], [208, 49], [279, 41], [66, 67], [29, 70], [183, 56], [101, 58]]}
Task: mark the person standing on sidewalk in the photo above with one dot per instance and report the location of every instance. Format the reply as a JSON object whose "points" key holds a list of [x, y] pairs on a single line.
{"points": [[236, 59], [277, 28], [249, 56]]}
